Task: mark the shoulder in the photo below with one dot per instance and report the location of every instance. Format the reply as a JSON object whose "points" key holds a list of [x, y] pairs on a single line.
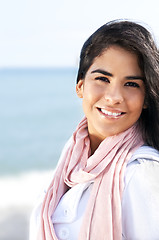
{"points": [[143, 163], [145, 153], [140, 203]]}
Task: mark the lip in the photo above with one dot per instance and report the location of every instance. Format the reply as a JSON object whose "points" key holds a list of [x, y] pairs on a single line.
{"points": [[111, 113]]}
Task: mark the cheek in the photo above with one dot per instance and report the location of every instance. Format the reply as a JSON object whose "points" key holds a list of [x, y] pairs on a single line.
{"points": [[136, 103], [90, 97], [90, 93], [93, 91]]}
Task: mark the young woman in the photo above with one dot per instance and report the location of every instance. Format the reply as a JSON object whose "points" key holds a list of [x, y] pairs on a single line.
{"points": [[106, 185]]}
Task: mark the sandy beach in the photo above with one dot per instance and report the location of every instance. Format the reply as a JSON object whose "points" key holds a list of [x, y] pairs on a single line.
{"points": [[14, 223], [19, 195]]}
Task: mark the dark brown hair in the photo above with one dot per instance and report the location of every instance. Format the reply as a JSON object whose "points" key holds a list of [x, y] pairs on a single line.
{"points": [[137, 39]]}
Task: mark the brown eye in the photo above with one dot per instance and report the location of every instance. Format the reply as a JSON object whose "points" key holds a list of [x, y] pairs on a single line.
{"points": [[132, 84], [103, 79]]}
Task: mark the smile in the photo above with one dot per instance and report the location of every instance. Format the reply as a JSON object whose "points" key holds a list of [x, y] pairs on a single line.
{"points": [[110, 114]]}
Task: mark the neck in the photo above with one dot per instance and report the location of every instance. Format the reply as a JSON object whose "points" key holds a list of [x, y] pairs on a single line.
{"points": [[94, 143]]}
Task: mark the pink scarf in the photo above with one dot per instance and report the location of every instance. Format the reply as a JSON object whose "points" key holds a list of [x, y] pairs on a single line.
{"points": [[106, 167]]}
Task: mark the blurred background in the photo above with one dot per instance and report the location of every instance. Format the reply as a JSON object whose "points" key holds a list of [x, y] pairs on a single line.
{"points": [[40, 43]]}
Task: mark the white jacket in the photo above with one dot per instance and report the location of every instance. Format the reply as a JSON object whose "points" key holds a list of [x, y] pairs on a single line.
{"points": [[140, 202]]}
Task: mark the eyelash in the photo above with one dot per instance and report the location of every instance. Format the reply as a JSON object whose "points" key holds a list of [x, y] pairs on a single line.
{"points": [[129, 84], [132, 84], [103, 79]]}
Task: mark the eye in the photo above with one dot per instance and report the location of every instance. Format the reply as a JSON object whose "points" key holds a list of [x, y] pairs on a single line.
{"points": [[132, 84], [103, 79]]}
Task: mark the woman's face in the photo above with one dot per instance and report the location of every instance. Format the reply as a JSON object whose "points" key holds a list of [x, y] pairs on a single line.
{"points": [[113, 93]]}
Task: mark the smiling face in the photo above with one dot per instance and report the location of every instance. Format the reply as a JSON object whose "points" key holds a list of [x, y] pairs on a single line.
{"points": [[113, 93]]}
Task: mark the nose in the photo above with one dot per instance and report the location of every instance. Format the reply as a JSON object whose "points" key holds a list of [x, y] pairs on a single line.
{"points": [[114, 95]]}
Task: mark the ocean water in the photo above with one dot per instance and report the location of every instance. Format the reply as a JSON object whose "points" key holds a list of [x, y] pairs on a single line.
{"points": [[39, 110]]}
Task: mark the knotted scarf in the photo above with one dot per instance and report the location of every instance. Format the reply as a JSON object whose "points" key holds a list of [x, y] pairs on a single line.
{"points": [[106, 167]]}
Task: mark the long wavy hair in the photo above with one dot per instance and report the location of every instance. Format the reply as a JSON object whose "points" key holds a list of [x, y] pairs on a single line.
{"points": [[135, 38]]}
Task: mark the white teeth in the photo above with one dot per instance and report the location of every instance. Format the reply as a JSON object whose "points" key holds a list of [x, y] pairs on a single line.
{"points": [[110, 113]]}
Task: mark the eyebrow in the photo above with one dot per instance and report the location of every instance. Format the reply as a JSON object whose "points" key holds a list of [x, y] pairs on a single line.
{"points": [[106, 73], [102, 72]]}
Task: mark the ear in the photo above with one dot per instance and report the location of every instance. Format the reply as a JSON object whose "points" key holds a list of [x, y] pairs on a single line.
{"points": [[145, 104], [79, 88]]}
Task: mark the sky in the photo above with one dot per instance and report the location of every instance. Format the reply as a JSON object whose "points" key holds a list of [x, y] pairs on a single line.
{"points": [[50, 33]]}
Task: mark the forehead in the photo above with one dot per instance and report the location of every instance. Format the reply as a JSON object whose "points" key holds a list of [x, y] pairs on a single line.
{"points": [[116, 57]]}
